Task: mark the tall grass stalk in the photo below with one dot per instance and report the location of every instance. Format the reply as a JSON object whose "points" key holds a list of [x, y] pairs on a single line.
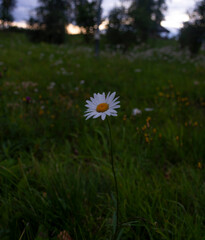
{"points": [[115, 180]]}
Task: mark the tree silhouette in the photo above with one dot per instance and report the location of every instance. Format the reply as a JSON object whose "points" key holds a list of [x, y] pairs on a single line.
{"points": [[192, 34], [86, 17], [51, 19], [120, 32], [146, 17], [6, 7]]}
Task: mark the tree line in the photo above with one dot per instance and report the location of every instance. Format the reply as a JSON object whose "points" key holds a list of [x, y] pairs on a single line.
{"points": [[133, 22], [192, 35]]}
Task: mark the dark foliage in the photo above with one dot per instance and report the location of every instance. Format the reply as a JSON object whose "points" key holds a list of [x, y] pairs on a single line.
{"points": [[119, 31], [86, 17], [50, 21], [6, 7], [146, 16], [137, 23], [192, 35]]}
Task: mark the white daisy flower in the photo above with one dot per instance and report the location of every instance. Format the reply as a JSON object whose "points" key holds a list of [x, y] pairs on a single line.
{"points": [[100, 106]]}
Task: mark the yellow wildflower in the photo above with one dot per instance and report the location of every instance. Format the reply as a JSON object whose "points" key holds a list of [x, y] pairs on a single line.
{"points": [[144, 127], [147, 140], [195, 124], [199, 165], [41, 112]]}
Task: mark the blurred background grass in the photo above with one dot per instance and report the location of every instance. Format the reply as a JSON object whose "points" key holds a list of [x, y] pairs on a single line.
{"points": [[55, 172]]}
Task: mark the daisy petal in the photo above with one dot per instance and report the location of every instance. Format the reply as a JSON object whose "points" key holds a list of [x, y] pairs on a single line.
{"points": [[115, 103], [97, 115], [108, 95], [88, 102], [90, 113], [103, 116], [111, 97], [113, 111], [117, 106], [93, 101], [90, 106], [88, 117]]}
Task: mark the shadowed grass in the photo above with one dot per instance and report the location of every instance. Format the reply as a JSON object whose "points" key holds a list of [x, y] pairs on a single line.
{"points": [[55, 170]]}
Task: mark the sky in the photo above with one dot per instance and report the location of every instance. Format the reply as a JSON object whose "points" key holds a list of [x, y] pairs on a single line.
{"points": [[174, 16]]}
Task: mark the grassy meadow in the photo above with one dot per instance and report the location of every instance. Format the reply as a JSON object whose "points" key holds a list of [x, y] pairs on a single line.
{"points": [[55, 172]]}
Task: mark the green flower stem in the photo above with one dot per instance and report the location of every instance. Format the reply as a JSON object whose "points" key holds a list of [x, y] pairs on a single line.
{"points": [[115, 179]]}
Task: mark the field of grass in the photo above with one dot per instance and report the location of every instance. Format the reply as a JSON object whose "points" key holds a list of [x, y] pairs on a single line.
{"points": [[55, 172]]}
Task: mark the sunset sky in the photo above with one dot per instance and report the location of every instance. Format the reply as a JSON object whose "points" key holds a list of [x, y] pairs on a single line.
{"points": [[174, 17]]}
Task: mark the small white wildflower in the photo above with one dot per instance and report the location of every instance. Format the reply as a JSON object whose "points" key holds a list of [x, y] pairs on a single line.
{"points": [[51, 85], [136, 111], [58, 62], [149, 109]]}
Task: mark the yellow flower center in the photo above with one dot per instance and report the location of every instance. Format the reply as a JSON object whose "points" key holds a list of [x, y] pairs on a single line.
{"points": [[102, 107]]}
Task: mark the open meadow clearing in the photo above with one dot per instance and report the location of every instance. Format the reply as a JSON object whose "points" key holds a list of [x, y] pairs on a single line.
{"points": [[55, 171]]}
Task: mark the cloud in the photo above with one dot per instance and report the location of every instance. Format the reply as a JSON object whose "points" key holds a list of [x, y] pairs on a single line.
{"points": [[176, 7], [27, 3], [177, 13], [23, 9], [182, 5], [108, 5]]}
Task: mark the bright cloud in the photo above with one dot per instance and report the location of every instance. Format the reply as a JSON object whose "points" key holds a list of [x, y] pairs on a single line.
{"points": [[177, 13], [175, 21]]}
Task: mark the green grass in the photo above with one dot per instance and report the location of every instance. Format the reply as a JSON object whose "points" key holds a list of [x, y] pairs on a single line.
{"points": [[55, 171]]}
